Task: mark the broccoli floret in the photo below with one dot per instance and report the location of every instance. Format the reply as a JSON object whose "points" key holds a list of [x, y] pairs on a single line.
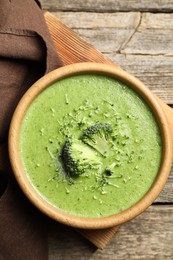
{"points": [[78, 157], [97, 136]]}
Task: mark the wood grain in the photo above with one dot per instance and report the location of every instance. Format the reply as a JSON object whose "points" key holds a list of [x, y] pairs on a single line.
{"points": [[155, 34], [107, 32], [108, 6], [135, 41], [97, 20], [71, 49], [166, 196], [154, 71], [149, 236]]}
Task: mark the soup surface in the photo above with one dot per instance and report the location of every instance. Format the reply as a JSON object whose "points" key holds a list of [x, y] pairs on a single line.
{"points": [[115, 177]]}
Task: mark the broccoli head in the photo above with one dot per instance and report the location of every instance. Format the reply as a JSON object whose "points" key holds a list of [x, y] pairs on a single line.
{"points": [[97, 136], [78, 157]]}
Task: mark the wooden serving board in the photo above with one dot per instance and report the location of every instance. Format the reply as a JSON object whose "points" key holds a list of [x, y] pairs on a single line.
{"points": [[72, 49]]}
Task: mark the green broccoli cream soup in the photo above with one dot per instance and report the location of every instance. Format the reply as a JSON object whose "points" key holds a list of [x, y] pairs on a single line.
{"points": [[90, 146]]}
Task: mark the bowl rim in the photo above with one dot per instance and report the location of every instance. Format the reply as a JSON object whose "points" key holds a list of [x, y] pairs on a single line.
{"points": [[30, 191]]}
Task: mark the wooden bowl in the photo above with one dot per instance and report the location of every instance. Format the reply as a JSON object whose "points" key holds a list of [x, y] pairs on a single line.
{"points": [[32, 194]]}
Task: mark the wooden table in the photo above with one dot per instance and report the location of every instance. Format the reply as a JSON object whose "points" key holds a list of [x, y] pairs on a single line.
{"points": [[138, 36]]}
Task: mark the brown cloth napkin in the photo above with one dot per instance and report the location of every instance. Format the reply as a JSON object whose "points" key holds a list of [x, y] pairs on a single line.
{"points": [[27, 52], [23, 233]]}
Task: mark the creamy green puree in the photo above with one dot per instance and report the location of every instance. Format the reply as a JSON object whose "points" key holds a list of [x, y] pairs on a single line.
{"points": [[67, 108]]}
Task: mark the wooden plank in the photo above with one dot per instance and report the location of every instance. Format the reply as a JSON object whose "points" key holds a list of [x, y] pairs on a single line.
{"points": [[166, 196], [150, 42], [117, 34], [85, 20], [107, 32], [149, 236], [156, 21], [108, 6], [129, 33], [154, 71], [153, 36]]}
